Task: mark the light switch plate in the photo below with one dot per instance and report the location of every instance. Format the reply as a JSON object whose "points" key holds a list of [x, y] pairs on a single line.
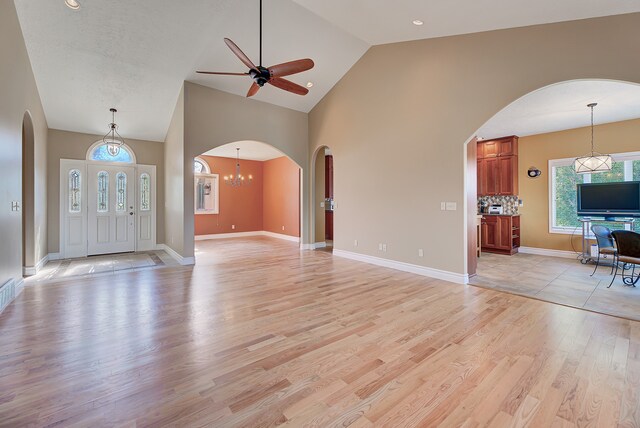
{"points": [[443, 206], [451, 206], [321, 204]]}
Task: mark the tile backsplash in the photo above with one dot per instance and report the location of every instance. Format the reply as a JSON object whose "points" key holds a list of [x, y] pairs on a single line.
{"points": [[509, 203]]}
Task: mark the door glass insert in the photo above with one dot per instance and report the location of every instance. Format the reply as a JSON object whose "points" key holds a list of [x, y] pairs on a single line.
{"points": [[103, 192], [74, 191], [145, 192], [121, 192]]}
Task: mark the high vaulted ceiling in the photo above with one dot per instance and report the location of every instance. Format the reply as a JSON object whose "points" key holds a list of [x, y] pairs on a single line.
{"points": [[135, 54]]}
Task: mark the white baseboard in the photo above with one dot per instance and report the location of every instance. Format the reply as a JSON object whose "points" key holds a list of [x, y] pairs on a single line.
{"points": [[319, 245], [245, 234], [547, 252], [55, 256], [227, 235], [184, 261], [281, 236], [405, 267], [32, 270], [306, 246], [19, 286]]}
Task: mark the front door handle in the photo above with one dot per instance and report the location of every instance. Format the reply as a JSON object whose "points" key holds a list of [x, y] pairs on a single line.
{"points": [[131, 213]]}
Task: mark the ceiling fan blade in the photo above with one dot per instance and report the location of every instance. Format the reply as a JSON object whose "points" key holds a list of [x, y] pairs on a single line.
{"points": [[288, 85], [222, 73], [253, 89], [291, 67], [236, 50]]}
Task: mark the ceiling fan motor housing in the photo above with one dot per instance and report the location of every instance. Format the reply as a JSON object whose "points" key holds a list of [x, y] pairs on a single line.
{"points": [[260, 75]]}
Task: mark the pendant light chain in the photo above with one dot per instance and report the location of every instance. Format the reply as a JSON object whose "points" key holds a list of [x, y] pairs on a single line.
{"points": [[592, 106]]}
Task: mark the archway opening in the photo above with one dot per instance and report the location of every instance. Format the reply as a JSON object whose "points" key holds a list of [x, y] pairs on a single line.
{"points": [[28, 195], [248, 190], [521, 165], [323, 212]]}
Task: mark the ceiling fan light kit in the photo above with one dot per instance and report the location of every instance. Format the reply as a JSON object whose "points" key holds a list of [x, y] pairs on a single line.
{"points": [[263, 75]]}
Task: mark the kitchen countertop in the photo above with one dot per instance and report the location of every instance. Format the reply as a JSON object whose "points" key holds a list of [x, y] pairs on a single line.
{"points": [[505, 215]]}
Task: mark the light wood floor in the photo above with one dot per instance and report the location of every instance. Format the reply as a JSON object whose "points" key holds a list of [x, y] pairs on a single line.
{"points": [[260, 333]]}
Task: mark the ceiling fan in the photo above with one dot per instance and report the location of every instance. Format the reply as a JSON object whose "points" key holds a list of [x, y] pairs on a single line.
{"points": [[272, 75]]}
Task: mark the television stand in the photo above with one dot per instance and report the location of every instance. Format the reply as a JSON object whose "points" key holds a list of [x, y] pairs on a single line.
{"points": [[587, 235]]}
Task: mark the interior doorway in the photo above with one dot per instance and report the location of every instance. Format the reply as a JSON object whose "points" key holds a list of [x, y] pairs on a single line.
{"points": [[324, 201], [248, 190]]}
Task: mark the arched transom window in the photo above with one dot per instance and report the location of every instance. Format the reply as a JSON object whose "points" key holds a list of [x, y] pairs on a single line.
{"points": [[200, 166], [99, 152]]}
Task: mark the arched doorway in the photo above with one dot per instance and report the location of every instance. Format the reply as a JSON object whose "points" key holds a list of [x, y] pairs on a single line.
{"points": [[246, 189], [556, 119], [322, 224], [28, 196]]}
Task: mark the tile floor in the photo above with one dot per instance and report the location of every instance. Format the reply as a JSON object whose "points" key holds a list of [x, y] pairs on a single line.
{"points": [[103, 265], [557, 280]]}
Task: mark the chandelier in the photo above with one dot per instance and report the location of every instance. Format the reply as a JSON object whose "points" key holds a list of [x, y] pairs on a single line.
{"points": [[238, 179], [113, 139], [594, 162]]}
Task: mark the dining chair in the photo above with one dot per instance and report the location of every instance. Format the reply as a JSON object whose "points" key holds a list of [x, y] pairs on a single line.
{"points": [[628, 244], [606, 244]]}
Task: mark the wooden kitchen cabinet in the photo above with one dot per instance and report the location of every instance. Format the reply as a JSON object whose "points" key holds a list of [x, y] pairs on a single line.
{"points": [[498, 167], [500, 234]]}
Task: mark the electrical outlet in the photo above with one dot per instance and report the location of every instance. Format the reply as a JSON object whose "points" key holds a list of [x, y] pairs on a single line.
{"points": [[233, 226], [443, 206], [355, 242], [282, 227], [384, 247], [420, 252], [380, 247]]}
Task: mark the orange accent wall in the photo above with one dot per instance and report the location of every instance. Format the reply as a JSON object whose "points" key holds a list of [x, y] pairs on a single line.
{"points": [[281, 196], [241, 206]]}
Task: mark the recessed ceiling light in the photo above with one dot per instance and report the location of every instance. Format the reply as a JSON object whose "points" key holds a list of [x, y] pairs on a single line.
{"points": [[72, 4], [417, 22], [309, 84]]}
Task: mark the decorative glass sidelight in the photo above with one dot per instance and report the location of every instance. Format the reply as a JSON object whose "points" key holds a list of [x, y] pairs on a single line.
{"points": [[145, 192], [121, 192], [75, 194], [103, 192]]}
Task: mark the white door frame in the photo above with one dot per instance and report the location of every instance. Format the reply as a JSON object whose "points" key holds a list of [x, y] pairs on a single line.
{"points": [[79, 248]]}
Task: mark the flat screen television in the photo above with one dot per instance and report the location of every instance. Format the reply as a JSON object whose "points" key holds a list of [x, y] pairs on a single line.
{"points": [[609, 199]]}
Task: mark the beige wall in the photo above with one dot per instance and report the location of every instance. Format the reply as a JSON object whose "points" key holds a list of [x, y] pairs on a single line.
{"points": [[174, 178], [213, 118], [400, 141], [318, 196], [74, 145], [19, 94], [537, 150]]}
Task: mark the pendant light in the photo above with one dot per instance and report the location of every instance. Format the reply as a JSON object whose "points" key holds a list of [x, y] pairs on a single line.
{"points": [[237, 180], [112, 138], [594, 162]]}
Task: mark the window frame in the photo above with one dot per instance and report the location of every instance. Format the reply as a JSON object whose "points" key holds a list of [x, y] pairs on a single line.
{"points": [[216, 201], [554, 163]]}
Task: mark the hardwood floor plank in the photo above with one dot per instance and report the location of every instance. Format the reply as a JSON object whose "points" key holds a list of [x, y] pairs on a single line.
{"points": [[260, 334]]}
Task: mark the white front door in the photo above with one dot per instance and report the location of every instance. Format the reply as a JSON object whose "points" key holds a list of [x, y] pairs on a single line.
{"points": [[111, 209]]}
